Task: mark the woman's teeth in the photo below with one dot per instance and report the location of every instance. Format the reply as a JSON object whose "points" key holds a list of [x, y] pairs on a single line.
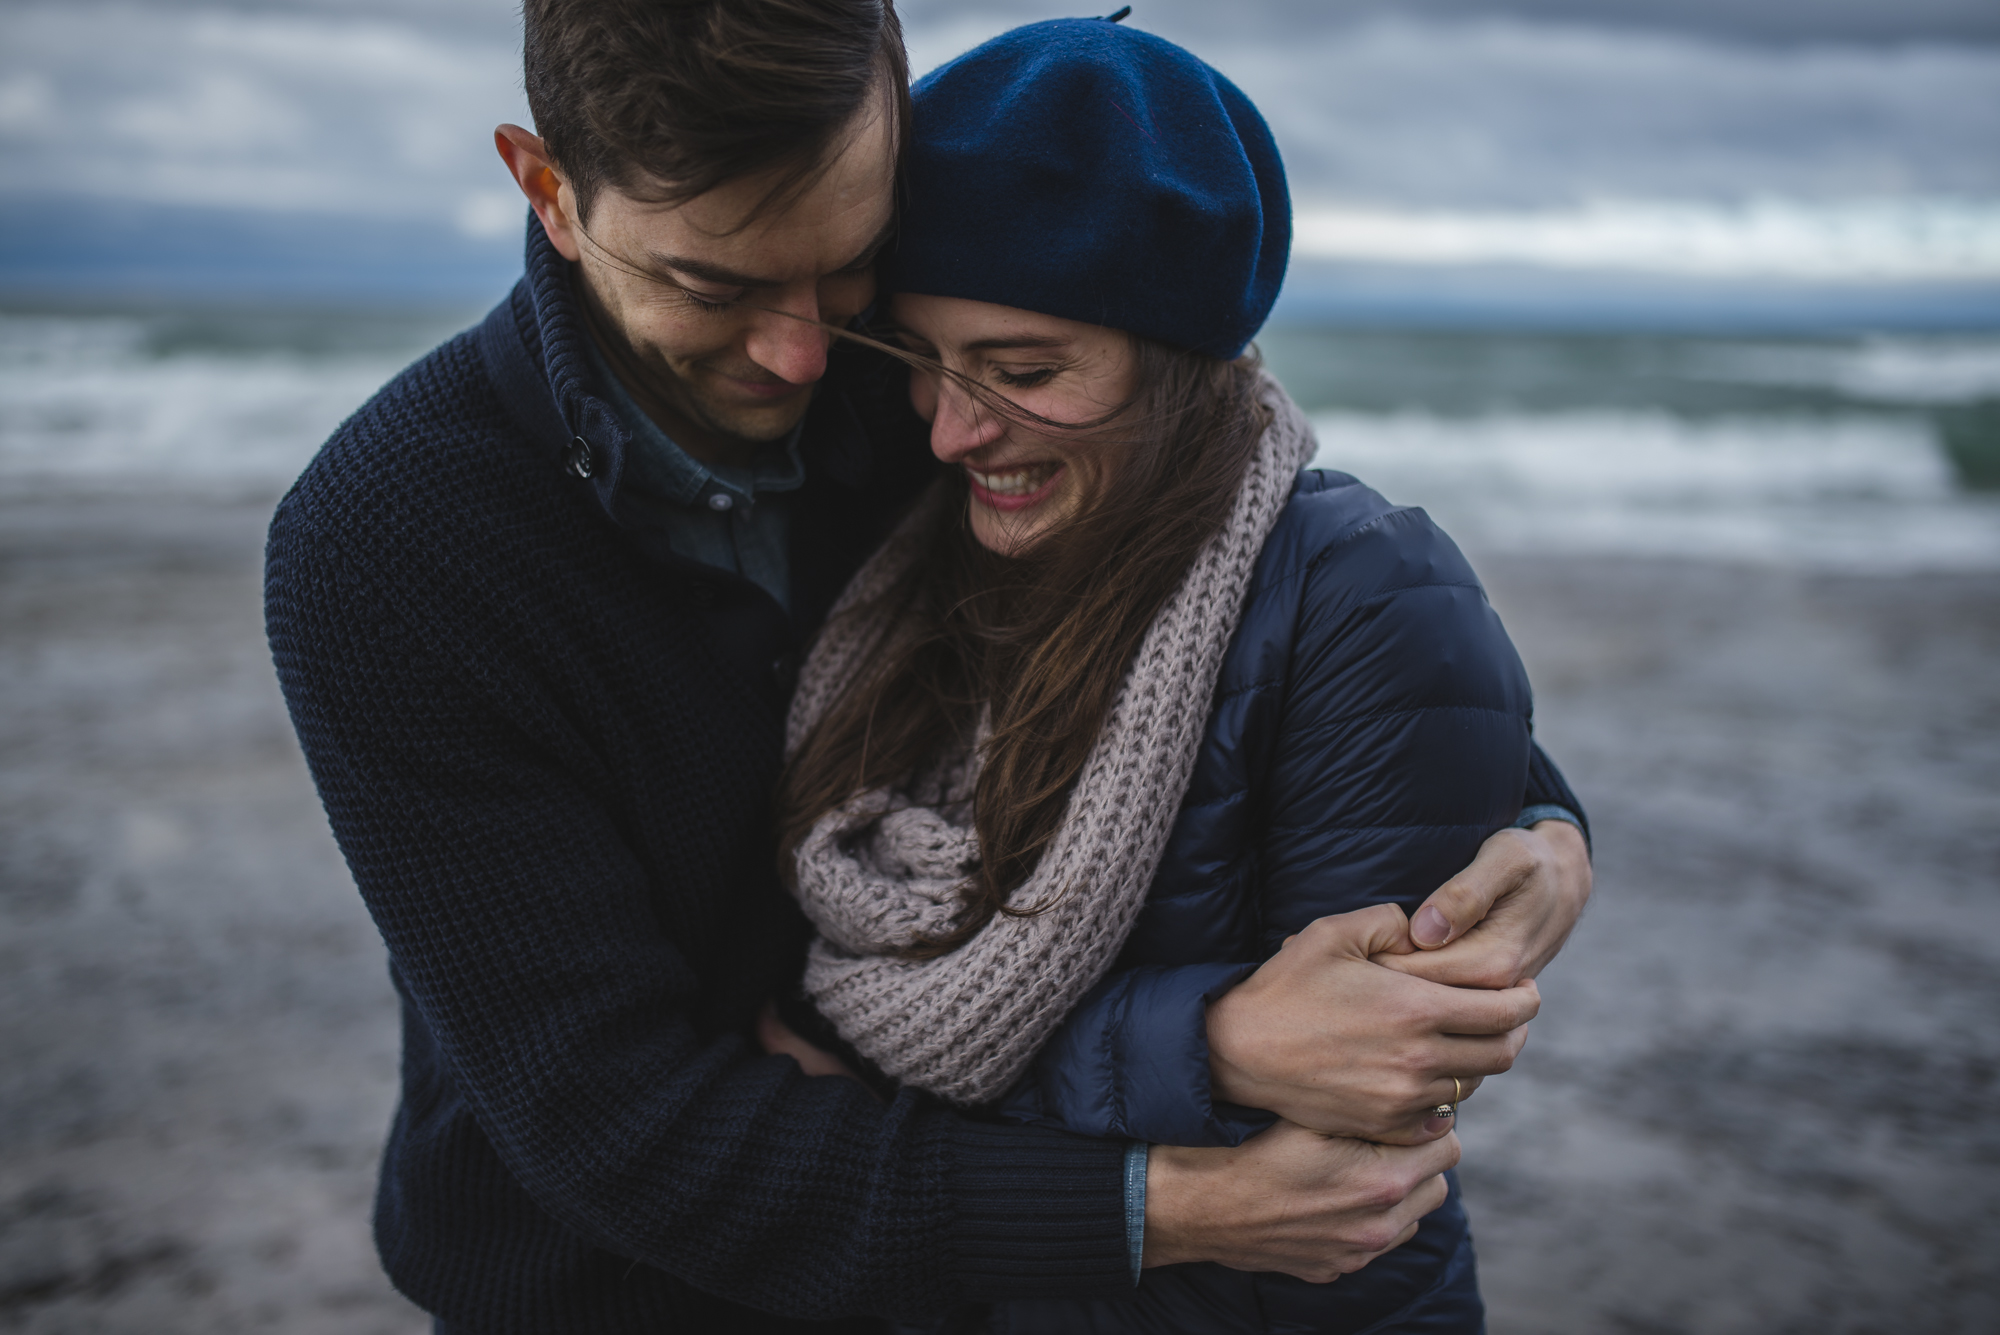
{"points": [[1015, 481]]}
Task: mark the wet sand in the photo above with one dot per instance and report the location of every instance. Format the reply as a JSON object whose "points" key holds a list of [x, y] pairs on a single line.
{"points": [[1760, 1097]]}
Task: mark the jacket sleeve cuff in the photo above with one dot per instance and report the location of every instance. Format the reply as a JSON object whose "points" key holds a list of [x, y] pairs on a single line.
{"points": [[1532, 816], [1038, 1214], [1546, 787], [1138, 1070], [1535, 815]]}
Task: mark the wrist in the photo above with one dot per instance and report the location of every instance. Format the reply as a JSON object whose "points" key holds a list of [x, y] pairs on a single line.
{"points": [[1547, 818], [1569, 848], [1229, 1031], [1171, 1224]]}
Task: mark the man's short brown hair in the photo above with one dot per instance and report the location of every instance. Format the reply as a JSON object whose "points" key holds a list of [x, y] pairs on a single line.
{"points": [[667, 99]]}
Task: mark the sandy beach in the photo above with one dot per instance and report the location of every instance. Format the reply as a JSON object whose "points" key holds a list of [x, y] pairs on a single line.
{"points": [[1759, 1099]]}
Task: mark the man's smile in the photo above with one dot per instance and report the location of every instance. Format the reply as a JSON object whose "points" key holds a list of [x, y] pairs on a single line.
{"points": [[763, 388]]}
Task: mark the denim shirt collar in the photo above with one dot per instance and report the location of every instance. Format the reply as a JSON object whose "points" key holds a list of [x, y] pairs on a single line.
{"points": [[657, 465], [541, 327]]}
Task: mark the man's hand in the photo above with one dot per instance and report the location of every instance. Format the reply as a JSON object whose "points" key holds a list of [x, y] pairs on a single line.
{"points": [[1290, 1200], [1503, 918], [781, 1040], [1325, 1037]]}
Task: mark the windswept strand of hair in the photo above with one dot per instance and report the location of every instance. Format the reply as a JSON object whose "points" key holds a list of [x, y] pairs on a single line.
{"points": [[881, 340]]}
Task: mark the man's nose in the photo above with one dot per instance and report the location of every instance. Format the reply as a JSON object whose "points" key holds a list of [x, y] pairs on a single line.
{"points": [[786, 339], [962, 424]]}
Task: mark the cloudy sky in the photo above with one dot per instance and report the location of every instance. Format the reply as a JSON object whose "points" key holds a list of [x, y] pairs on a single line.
{"points": [[1837, 144]]}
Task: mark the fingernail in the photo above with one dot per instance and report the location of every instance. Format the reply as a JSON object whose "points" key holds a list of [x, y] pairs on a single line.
{"points": [[1430, 927]]}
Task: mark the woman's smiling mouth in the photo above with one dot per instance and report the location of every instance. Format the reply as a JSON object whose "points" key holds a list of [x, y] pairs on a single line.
{"points": [[1014, 488]]}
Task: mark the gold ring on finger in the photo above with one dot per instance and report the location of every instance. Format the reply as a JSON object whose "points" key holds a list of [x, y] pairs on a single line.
{"points": [[1457, 1092]]}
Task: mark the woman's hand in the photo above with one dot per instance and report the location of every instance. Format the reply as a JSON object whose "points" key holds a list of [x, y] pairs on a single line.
{"points": [[1503, 918], [1328, 1038], [781, 1040]]}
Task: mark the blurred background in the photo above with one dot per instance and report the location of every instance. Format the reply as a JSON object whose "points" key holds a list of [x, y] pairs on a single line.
{"points": [[1684, 317]]}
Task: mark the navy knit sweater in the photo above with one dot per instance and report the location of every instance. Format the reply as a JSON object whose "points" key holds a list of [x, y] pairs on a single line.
{"points": [[545, 745]]}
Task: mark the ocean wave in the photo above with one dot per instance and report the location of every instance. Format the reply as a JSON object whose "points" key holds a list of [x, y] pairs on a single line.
{"points": [[165, 402], [1499, 437], [1842, 241], [1935, 370], [1846, 491]]}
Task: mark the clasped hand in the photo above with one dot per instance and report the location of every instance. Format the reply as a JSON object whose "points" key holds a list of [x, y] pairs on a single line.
{"points": [[1355, 1029], [1327, 1037]]}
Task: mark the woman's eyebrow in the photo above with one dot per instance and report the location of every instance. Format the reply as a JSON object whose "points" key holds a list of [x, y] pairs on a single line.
{"points": [[1016, 341]]}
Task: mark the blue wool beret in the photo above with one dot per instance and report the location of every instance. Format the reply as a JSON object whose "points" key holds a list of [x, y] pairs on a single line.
{"points": [[1091, 171]]}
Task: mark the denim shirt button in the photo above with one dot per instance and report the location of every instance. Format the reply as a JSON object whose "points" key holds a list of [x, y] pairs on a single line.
{"points": [[785, 672]]}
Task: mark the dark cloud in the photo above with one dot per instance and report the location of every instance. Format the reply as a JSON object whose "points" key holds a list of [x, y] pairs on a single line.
{"points": [[1428, 105], [1516, 115], [1755, 20], [288, 108], [471, 16], [1761, 21], [385, 107], [1867, 21]]}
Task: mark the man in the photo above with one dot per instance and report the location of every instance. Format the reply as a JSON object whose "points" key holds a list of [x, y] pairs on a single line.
{"points": [[535, 610]]}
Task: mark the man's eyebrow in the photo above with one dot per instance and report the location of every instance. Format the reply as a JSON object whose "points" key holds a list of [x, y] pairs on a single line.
{"points": [[724, 277], [1017, 341], [706, 272]]}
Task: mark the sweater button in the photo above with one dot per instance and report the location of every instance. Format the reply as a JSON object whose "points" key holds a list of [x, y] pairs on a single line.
{"points": [[577, 458], [720, 501]]}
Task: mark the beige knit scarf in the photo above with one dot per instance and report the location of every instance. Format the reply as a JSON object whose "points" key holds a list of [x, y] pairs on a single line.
{"points": [[882, 871]]}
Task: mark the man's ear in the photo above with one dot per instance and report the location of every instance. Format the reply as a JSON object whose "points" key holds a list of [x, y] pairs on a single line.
{"points": [[548, 193]]}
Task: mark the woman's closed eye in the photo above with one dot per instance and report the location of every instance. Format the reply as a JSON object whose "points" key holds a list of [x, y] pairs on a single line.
{"points": [[1025, 379]]}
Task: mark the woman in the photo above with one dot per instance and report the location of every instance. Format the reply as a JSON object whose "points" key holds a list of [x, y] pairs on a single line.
{"points": [[1129, 699]]}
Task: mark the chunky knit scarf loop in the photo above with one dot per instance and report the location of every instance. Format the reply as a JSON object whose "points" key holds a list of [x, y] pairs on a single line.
{"points": [[882, 871]]}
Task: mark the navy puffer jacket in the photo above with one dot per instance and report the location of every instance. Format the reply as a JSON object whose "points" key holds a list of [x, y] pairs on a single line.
{"points": [[1370, 730]]}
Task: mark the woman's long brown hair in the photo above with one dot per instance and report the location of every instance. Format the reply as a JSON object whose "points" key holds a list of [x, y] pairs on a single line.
{"points": [[1044, 636]]}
